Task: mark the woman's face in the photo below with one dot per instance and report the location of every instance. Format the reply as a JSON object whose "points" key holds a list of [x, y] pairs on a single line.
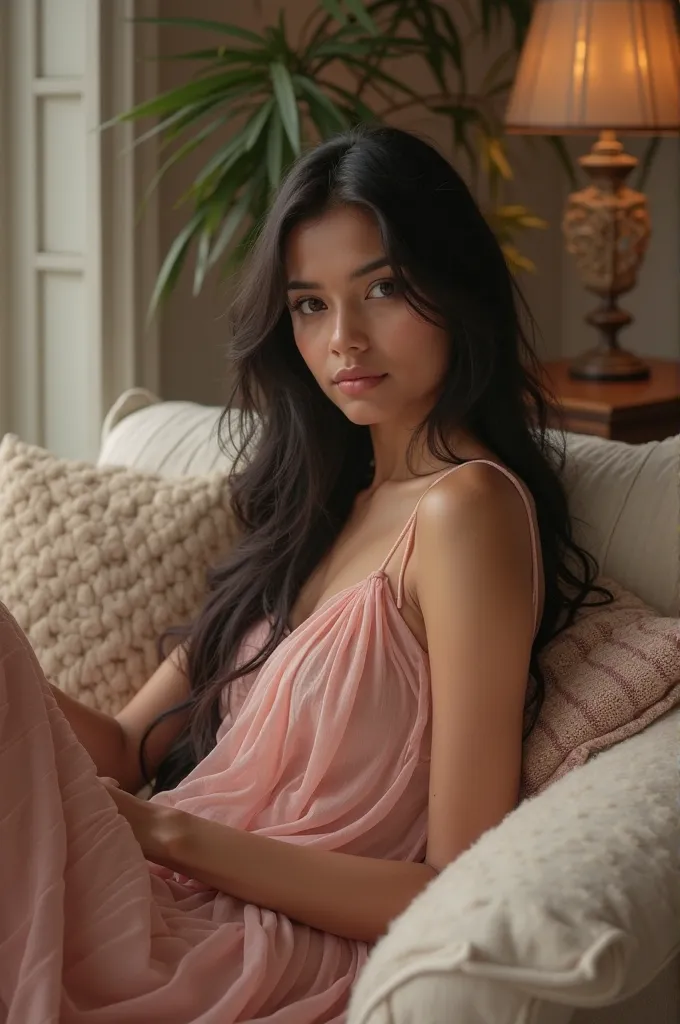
{"points": [[350, 319]]}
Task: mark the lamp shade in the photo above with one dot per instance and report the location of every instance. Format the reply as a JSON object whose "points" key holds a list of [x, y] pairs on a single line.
{"points": [[593, 64]]}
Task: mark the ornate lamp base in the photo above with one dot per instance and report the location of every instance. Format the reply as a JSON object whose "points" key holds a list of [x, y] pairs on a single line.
{"points": [[599, 364], [608, 361], [607, 230]]}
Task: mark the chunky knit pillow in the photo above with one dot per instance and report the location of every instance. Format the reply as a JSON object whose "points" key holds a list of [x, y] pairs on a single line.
{"points": [[95, 563], [607, 677]]}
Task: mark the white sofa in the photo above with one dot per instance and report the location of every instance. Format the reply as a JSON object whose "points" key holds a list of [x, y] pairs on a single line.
{"points": [[569, 911]]}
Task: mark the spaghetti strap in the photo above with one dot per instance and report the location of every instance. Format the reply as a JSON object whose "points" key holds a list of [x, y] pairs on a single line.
{"points": [[409, 532]]}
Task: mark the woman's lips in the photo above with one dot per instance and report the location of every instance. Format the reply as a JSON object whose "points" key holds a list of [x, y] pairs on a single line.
{"points": [[360, 384]]}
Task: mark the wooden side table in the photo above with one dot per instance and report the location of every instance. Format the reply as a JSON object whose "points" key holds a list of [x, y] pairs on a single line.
{"points": [[632, 411]]}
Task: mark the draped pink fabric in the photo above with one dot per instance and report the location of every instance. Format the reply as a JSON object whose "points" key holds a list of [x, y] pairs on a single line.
{"points": [[326, 745]]}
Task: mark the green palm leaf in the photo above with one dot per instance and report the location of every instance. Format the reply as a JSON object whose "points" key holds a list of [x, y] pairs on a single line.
{"points": [[335, 10], [357, 8], [232, 223], [257, 123], [210, 26], [182, 151], [218, 59], [186, 95], [362, 112], [175, 260], [274, 155], [221, 161], [328, 113], [285, 97]]}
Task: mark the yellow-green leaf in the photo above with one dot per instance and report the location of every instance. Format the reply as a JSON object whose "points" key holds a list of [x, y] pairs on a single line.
{"points": [[531, 221], [516, 260], [499, 159]]}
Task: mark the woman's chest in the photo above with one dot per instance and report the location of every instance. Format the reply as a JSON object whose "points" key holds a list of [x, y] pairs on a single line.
{"points": [[372, 534], [353, 665]]}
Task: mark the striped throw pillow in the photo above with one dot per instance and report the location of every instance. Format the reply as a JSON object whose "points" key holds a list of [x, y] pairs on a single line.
{"points": [[608, 676]]}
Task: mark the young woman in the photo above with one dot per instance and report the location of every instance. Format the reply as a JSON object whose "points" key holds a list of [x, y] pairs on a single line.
{"points": [[346, 716]]}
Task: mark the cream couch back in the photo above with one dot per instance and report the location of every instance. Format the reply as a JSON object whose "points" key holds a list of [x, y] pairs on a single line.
{"points": [[625, 499]]}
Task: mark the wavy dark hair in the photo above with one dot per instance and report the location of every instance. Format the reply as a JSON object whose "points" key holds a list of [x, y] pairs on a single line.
{"points": [[301, 462]]}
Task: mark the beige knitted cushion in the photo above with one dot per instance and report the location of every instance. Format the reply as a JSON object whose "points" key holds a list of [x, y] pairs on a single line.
{"points": [[607, 677], [95, 563]]}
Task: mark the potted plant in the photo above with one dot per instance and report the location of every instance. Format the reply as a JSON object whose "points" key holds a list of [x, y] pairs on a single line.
{"points": [[284, 95]]}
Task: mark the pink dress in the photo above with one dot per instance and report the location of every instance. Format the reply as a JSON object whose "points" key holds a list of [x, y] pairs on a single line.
{"points": [[327, 744]]}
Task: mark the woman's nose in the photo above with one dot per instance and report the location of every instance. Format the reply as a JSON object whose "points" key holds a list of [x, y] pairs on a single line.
{"points": [[348, 334]]}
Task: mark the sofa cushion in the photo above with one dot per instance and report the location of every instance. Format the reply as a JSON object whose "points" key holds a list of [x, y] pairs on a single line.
{"points": [[609, 675], [572, 901], [625, 503], [96, 563]]}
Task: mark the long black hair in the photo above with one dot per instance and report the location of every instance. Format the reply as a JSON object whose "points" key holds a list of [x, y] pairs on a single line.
{"points": [[302, 463]]}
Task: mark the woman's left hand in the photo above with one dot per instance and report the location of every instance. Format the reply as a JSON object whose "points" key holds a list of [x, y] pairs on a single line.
{"points": [[156, 828]]}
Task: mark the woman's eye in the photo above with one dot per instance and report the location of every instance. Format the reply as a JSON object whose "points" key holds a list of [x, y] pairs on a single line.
{"points": [[383, 289], [307, 306]]}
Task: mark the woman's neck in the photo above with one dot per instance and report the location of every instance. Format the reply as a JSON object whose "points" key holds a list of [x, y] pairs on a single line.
{"points": [[395, 463]]}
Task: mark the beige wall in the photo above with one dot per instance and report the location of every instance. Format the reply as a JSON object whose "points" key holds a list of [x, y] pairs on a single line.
{"points": [[193, 331]]}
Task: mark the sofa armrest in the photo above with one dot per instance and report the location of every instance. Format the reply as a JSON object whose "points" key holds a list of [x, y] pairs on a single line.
{"points": [[572, 901], [170, 439], [130, 401]]}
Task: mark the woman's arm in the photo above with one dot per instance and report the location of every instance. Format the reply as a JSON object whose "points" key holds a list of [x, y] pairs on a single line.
{"points": [[100, 734], [474, 576], [167, 688], [354, 897], [113, 743]]}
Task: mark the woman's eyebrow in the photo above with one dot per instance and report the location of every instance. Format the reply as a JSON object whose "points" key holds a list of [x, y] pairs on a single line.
{"points": [[367, 268]]}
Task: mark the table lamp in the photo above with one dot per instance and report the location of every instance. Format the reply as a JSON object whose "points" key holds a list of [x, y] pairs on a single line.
{"points": [[602, 67]]}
